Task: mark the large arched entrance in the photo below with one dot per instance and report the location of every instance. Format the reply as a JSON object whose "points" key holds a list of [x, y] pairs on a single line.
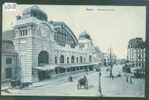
{"points": [[43, 59]]}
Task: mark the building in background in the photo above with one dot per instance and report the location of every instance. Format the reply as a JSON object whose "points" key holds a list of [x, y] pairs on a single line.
{"points": [[47, 49], [136, 53], [121, 61], [109, 57], [100, 56], [9, 69]]}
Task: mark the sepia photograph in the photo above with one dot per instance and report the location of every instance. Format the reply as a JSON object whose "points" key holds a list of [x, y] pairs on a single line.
{"points": [[73, 50]]}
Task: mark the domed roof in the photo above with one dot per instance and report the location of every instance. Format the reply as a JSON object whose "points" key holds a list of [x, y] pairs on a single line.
{"points": [[84, 35], [36, 12]]}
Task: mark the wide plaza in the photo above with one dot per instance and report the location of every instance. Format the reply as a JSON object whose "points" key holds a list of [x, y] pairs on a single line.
{"points": [[117, 87]]}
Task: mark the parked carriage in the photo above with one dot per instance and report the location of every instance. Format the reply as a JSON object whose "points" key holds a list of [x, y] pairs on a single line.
{"points": [[83, 82]]}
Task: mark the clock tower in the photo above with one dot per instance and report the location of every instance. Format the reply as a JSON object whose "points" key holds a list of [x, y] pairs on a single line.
{"points": [[23, 45], [33, 36]]}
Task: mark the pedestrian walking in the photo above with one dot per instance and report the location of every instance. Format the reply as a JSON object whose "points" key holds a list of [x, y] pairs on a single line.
{"points": [[130, 79], [127, 78], [70, 78], [86, 71]]}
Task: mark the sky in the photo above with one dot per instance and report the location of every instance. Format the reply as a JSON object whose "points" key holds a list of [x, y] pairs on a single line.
{"points": [[108, 26]]}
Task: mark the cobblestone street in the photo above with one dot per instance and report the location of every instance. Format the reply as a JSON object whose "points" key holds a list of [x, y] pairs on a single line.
{"points": [[62, 87]]}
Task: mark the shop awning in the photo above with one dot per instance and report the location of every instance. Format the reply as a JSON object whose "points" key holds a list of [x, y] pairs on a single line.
{"points": [[52, 67], [46, 67], [75, 65]]}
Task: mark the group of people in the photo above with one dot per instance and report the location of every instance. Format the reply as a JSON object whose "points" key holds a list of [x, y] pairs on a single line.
{"points": [[129, 78]]}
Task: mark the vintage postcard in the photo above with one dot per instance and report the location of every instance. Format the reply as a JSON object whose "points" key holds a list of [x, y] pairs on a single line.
{"points": [[73, 50]]}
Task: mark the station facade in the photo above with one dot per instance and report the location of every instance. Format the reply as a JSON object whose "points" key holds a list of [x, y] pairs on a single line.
{"points": [[46, 49]]}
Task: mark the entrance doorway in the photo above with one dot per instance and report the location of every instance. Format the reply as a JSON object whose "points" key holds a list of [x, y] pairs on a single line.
{"points": [[91, 68], [43, 59], [42, 75]]}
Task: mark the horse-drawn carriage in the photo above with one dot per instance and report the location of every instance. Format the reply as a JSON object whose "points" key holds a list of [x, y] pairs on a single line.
{"points": [[83, 82]]}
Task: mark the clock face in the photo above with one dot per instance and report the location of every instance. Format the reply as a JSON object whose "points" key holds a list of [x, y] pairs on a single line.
{"points": [[44, 30]]}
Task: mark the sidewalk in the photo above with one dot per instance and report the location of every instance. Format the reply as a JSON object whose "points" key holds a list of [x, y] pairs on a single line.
{"points": [[118, 87], [56, 80]]}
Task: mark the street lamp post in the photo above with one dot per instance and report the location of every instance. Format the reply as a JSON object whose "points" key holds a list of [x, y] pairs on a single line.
{"points": [[111, 65], [99, 87]]}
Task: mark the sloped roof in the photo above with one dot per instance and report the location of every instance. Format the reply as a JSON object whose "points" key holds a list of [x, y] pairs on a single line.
{"points": [[8, 35], [8, 50], [60, 23]]}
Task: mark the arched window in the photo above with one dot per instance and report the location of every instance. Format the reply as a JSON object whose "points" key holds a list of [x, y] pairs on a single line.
{"points": [[80, 59], [84, 60], [21, 33], [61, 59], [55, 60], [67, 60], [72, 59], [77, 59], [43, 58], [63, 37], [90, 58]]}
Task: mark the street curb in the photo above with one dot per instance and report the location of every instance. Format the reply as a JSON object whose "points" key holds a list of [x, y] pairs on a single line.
{"points": [[57, 78]]}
